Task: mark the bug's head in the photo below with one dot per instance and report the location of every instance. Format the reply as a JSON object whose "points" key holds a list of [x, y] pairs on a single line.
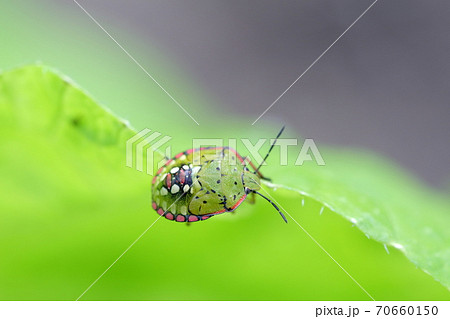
{"points": [[251, 181]]}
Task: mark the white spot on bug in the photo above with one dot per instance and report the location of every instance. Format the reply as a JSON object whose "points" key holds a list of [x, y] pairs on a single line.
{"points": [[182, 157], [192, 190], [157, 201], [386, 248], [175, 189], [185, 188], [185, 167], [195, 170], [164, 206], [174, 170], [183, 210], [321, 210], [164, 191]]}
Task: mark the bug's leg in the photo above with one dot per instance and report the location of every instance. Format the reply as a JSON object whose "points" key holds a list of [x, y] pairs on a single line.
{"points": [[250, 195], [251, 198]]}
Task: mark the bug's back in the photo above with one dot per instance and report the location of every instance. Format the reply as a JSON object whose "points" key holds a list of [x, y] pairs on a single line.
{"points": [[219, 183], [200, 183]]}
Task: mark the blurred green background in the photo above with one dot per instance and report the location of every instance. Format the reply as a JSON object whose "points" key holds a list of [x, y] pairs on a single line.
{"points": [[71, 207]]}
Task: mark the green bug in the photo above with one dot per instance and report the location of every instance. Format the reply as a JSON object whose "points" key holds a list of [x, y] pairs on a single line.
{"points": [[200, 183]]}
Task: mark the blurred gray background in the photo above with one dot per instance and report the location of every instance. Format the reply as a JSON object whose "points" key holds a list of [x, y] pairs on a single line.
{"points": [[384, 86]]}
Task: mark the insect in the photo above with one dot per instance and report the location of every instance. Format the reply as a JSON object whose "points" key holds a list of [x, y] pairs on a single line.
{"points": [[198, 184]]}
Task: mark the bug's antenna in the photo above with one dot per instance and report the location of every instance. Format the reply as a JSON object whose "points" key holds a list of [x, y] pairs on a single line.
{"points": [[270, 150], [273, 204]]}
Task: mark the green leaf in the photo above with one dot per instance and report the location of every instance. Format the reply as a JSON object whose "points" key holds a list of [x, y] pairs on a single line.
{"points": [[71, 207], [382, 200]]}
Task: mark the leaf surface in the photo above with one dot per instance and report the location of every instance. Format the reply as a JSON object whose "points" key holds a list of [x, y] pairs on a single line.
{"points": [[71, 206]]}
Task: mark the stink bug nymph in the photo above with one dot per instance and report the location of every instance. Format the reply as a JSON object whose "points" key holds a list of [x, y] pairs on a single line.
{"points": [[198, 184]]}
